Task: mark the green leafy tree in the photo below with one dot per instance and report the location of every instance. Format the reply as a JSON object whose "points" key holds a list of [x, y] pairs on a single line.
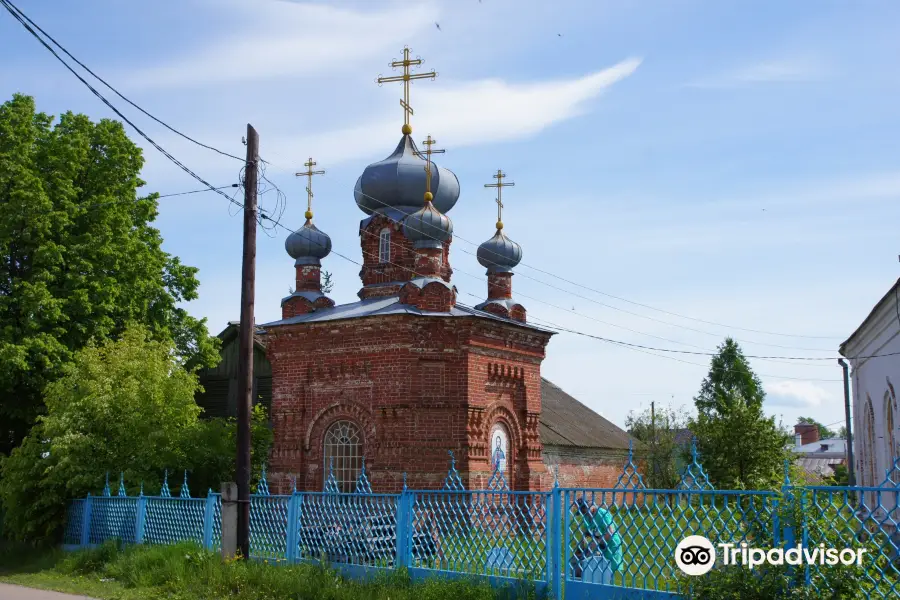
{"points": [[663, 456], [740, 447], [824, 432], [78, 257], [842, 432], [122, 406]]}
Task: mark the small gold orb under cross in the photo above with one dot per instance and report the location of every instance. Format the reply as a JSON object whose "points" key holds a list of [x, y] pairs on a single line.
{"points": [[308, 173], [499, 185], [406, 78]]}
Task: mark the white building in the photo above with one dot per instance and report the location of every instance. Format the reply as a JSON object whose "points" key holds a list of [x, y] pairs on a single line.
{"points": [[875, 414]]}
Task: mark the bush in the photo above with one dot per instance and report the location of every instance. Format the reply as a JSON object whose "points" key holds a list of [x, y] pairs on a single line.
{"points": [[124, 406], [186, 571]]}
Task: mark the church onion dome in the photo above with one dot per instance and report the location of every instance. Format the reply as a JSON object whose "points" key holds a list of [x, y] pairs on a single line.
{"points": [[499, 254], [427, 228], [398, 181], [308, 245]]}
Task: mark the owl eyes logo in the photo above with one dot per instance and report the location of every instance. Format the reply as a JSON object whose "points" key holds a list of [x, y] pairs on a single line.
{"points": [[695, 555]]}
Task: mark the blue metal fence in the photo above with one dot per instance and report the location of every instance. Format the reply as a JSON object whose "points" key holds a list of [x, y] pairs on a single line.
{"points": [[548, 539]]}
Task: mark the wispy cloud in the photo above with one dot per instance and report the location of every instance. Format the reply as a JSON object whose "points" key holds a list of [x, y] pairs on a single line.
{"points": [[467, 114], [797, 394], [773, 71], [288, 39]]}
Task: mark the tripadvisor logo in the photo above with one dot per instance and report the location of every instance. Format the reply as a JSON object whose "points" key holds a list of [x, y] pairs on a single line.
{"points": [[696, 555]]}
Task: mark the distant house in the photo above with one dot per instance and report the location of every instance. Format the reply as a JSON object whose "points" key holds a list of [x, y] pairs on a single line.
{"points": [[875, 414], [818, 458], [220, 386]]}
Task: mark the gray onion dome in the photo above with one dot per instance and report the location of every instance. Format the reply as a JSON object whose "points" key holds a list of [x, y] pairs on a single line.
{"points": [[398, 181], [308, 245], [427, 227], [499, 254]]}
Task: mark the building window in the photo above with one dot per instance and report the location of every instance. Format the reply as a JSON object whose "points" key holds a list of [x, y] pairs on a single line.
{"points": [[869, 432], [889, 435], [343, 445], [384, 246]]}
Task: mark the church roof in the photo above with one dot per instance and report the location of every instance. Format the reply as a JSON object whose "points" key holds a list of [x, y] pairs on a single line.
{"points": [[567, 422], [391, 305]]}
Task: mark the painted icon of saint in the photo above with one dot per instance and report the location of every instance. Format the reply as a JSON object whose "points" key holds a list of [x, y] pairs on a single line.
{"points": [[499, 456]]}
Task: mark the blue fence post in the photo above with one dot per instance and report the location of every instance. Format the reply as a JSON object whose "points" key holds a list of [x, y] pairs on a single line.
{"points": [[86, 521], [291, 550], [554, 532], [140, 518], [402, 529], [209, 517]]}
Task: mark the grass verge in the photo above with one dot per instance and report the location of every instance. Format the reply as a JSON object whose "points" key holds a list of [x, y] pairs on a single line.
{"points": [[186, 572]]}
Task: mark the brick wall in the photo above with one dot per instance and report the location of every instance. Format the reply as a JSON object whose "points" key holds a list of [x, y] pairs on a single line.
{"points": [[417, 387], [583, 467]]}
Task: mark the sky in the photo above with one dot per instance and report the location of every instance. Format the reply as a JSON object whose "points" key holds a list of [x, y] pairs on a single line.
{"points": [[684, 170]]}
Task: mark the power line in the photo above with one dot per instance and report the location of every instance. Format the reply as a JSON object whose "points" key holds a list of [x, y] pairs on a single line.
{"points": [[21, 15], [233, 185], [22, 18], [604, 304], [12, 7], [645, 350], [109, 104]]}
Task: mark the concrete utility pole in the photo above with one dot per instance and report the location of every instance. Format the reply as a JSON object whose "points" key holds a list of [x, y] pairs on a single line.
{"points": [[851, 468], [245, 358]]}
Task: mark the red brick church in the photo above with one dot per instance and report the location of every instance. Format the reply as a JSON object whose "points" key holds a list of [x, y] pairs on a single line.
{"points": [[407, 373]]}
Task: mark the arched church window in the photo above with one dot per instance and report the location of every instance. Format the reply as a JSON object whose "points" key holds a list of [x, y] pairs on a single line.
{"points": [[869, 433], [890, 437], [344, 445], [500, 449], [384, 246]]}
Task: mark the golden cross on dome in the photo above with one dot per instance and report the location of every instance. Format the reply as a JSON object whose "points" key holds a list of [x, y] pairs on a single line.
{"points": [[406, 78], [427, 155], [309, 175], [499, 185]]}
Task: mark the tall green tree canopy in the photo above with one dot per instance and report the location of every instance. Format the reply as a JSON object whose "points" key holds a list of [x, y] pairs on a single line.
{"points": [[78, 257], [658, 430], [740, 447]]}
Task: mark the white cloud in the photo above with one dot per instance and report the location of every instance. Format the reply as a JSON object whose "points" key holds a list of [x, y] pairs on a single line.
{"points": [[288, 39], [797, 394], [773, 71], [464, 114]]}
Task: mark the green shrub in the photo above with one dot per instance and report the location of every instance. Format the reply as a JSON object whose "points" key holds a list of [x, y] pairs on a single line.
{"points": [[186, 571]]}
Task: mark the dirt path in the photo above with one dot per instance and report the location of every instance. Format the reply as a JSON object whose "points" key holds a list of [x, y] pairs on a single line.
{"points": [[17, 592]]}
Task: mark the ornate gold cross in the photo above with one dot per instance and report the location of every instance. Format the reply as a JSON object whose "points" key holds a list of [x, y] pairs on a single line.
{"points": [[427, 155], [406, 78], [309, 175], [499, 185]]}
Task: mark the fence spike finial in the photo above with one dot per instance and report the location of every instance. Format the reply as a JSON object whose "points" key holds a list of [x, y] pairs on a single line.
{"points": [[106, 486], [164, 492], [122, 491], [630, 479], [142, 488], [555, 476], [453, 480], [331, 485], [694, 477], [404, 481], [263, 487], [787, 473], [362, 482], [293, 485], [185, 492]]}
